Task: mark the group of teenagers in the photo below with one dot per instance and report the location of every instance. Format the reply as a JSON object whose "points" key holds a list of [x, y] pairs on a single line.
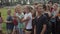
{"points": [[36, 19]]}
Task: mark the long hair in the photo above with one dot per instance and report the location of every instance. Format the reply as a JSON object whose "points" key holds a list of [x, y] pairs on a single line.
{"points": [[29, 8], [18, 6]]}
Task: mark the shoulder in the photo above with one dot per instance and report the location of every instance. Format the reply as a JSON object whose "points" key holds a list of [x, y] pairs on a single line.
{"points": [[30, 14], [22, 14], [44, 16], [16, 13]]}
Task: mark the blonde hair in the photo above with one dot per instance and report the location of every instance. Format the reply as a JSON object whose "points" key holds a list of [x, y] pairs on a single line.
{"points": [[18, 6], [29, 7], [55, 4]]}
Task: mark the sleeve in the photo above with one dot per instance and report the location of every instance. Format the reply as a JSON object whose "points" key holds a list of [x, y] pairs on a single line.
{"points": [[29, 16], [44, 20], [17, 14], [21, 16]]}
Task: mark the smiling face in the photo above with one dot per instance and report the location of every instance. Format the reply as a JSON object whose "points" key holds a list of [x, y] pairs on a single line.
{"points": [[55, 6], [39, 8], [18, 9], [27, 9]]}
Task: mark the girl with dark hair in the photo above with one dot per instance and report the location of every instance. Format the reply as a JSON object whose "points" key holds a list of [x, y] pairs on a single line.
{"points": [[50, 6]]}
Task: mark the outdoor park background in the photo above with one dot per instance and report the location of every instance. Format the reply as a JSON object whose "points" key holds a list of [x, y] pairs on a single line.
{"points": [[5, 4], [4, 15]]}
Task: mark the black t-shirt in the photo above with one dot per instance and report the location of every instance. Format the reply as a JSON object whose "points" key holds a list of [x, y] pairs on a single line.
{"points": [[49, 24], [39, 23], [9, 18], [9, 25]]}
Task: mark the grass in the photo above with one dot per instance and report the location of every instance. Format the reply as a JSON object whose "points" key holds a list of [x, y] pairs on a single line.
{"points": [[4, 12], [4, 16]]}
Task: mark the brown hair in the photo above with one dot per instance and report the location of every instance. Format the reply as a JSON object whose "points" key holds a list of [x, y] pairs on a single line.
{"points": [[39, 5]]}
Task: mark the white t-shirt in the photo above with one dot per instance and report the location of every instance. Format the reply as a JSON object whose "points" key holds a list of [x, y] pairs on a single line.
{"points": [[29, 24]]}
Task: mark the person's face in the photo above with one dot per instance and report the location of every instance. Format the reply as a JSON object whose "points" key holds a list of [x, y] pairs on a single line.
{"points": [[9, 12], [50, 4], [26, 9], [55, 7], [18, 10], [40, 9]]}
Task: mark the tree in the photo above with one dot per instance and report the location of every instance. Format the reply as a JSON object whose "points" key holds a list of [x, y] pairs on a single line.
{"points": [[7, 3], [1, 2]]}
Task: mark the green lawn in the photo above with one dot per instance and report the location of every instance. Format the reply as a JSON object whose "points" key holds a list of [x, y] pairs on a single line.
{"points": [[4, 15]]}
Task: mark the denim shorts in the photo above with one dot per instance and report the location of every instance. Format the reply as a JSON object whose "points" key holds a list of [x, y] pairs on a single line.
{"points": [[21, 31]]}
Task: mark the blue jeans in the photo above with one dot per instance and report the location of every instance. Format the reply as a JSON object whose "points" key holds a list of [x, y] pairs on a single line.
{"points": [[21, 31]]}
